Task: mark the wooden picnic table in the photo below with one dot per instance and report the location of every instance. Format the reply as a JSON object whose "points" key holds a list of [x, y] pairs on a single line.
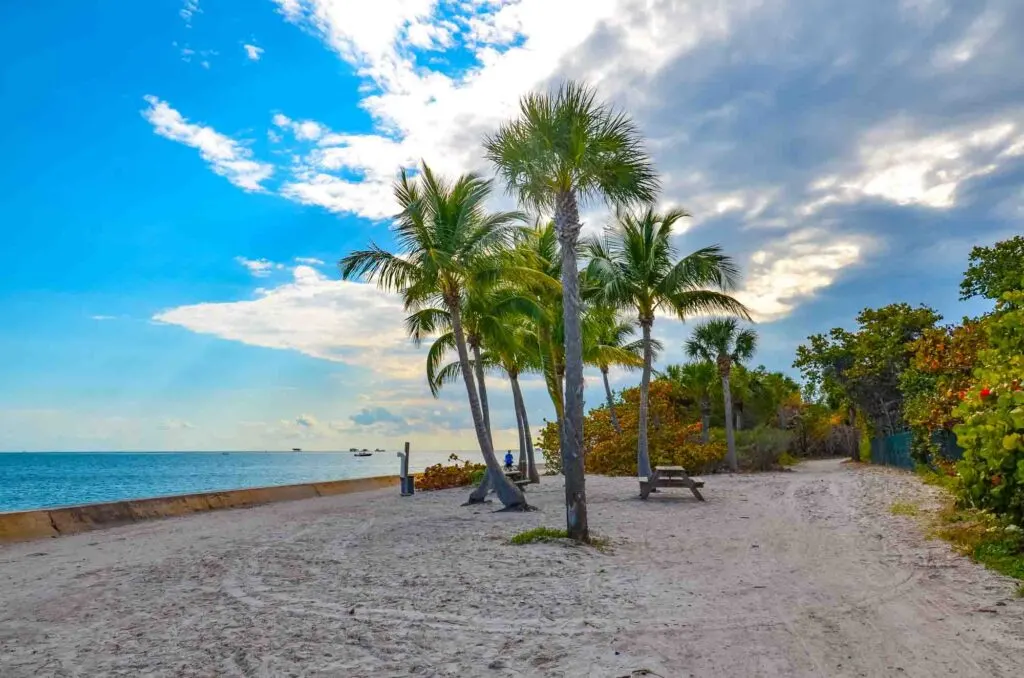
{"points": [[670, 476], [518, 478]]}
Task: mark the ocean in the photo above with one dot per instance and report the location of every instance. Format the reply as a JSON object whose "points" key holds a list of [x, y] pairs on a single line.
{"points": [[30, 480]]}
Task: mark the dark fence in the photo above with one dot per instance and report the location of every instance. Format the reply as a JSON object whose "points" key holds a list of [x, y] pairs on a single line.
{"points": [[894, 450]]}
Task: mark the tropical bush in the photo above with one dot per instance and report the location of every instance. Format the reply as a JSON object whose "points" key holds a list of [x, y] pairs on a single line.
{"points": [[939, 376], [762, 448], [673, 439], [457, 474], [992, 410]]}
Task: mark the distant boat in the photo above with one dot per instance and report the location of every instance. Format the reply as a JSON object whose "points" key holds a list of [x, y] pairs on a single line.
{"points": [[353, 449], [225, 453], [364, 453], [296, 449], [378, 450]]}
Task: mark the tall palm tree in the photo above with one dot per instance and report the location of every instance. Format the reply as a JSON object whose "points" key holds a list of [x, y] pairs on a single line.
{"points": [[635, 267], [607, 342], [563, 149], [696, 379], [722, 342], [447, 242]]}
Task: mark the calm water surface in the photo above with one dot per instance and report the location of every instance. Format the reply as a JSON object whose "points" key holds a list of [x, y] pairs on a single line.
{"points": [[45, 479]]}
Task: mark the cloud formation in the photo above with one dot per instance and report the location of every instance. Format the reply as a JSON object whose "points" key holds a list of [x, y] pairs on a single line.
{"points": [[253, 52], [226, 157], [813, 142], [340, 321]]}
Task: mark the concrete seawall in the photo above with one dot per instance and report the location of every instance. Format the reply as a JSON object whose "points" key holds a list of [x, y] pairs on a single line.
{"points": [[56, 522]]}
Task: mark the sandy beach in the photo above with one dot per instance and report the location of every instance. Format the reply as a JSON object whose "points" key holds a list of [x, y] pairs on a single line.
{"points": [[788, 574]]}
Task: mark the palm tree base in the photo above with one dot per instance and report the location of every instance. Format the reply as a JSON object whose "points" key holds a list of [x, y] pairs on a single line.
{"points": [[517, 508]]}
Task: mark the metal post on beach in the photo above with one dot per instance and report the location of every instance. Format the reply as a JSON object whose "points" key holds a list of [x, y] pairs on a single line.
{"points": [[407, 481]]}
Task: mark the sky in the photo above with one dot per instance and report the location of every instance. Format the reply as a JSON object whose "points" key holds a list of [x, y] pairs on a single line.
{"points": [[180, 178]]}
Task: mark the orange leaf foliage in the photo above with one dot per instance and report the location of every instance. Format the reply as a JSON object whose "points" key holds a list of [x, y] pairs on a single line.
{"points": [[439, 476], [673, 439]]}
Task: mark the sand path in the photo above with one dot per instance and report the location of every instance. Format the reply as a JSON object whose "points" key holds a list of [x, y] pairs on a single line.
{"points": [[789, 574]]}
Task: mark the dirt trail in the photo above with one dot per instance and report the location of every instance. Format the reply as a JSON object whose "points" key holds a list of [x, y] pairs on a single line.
{"points": [[789, 574]]}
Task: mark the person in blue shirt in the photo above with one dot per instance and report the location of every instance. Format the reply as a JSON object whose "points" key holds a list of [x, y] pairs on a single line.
{"points": [[508, 460]]}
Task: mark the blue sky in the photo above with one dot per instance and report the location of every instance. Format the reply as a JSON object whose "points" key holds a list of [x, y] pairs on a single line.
{"points": [[180, 176]]}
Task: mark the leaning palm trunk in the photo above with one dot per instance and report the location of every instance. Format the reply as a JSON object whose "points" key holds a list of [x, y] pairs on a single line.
{"points": [[705, 420], [508, 494], [480, 493], [730, 436], [482, 386], [643, 460], [567, 223], [611, 401], [520, 404]]}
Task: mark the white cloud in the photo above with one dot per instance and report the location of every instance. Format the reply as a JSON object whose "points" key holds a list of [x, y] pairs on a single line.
{"points": [[899, 165], [792, 269], [340, 321], [175, 425], [259, 268], [103, 317], [253, 52], [422, 112], [226, 156], [309, 261], [189, 9]]}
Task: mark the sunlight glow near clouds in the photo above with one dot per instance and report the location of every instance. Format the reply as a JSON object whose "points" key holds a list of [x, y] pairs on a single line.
{"points": [[901, 167]]}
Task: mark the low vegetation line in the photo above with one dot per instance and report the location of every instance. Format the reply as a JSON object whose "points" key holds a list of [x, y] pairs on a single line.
{"points": [[551, 534], [994, 542]]}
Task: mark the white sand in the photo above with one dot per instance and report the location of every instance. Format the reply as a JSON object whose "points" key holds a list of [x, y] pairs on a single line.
{"points": [[790, 574]]}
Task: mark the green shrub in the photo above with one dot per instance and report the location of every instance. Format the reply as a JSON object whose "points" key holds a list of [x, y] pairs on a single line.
{"points": [[761, 449], [992, 432]]}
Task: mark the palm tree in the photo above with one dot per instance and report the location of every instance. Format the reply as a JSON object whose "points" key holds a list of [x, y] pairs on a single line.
{"points": [[447, 242], [722, 342], [696, 379], [635, 267], [606, 342], [563, 149], [510, 345]]}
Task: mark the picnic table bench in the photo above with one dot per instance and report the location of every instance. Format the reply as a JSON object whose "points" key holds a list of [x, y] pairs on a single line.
{"points": [[518, 478], [670, 476]]}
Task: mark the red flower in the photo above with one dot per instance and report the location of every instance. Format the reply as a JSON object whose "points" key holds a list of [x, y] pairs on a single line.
{"points": [[985, 392]]}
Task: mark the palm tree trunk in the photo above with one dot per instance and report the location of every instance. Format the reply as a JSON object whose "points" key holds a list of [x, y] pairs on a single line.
{"points": [[520, 403], [643, 459], [611, 401], [705, 420], [567, 222], [484, 405], [508, 494], [480, 493], [730, 436], [519, 421]]}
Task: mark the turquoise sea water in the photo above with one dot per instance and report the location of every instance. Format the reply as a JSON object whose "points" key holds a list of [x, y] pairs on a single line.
{"points": [[30, 480]]}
